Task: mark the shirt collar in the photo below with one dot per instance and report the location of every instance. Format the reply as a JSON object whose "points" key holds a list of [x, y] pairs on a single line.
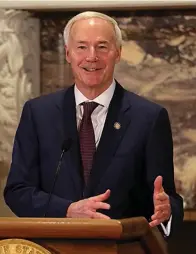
{"points": [[103, 99]]}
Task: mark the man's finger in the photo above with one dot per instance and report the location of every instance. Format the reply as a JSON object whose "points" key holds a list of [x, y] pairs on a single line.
{"points": [[158, 185], [161, 216], [100, 205], [158, 216], [165, 207], [101, 197], [154, 223], [162, 197]]}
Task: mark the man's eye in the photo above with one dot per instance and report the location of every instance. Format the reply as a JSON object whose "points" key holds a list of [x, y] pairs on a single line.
{"points": [[102, 47], [82, 47]]}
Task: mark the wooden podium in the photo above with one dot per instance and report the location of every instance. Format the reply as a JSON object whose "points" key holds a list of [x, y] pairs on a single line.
{"points": [[84, 236]]}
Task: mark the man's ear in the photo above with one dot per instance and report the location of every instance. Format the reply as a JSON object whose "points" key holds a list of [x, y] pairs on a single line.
{"points": [[118, 57], [67, 54]]}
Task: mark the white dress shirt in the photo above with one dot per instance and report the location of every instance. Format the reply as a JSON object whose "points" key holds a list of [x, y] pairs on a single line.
{"points": [[98, 120], [99, 114]]}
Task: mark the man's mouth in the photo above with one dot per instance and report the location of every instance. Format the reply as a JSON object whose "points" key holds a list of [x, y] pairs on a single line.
{"points": [[91, 69]]}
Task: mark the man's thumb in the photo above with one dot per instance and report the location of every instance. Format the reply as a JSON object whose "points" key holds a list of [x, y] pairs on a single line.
{"points": [[158, 185], [101, 197]]}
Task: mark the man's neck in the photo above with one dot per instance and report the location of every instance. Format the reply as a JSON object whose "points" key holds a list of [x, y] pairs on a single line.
{"points": [[92, 92]]}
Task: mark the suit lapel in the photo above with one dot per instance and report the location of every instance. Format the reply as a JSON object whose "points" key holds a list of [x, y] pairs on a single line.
{"points": [[68, 116], [115, 126]]}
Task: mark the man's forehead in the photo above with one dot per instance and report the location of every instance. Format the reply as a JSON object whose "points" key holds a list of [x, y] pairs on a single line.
{"points": [[91, 21], [103, 32]]}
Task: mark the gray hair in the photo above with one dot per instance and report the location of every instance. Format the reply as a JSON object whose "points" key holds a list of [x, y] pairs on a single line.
{"points": [[92, 14]]}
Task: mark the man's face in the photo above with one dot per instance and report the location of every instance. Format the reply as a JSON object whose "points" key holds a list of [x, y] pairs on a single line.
{"points": [[92, 52]]}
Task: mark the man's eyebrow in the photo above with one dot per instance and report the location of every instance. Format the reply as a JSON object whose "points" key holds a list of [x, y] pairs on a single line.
{"points": [[100, 42], [81, 42], [103, 42]]}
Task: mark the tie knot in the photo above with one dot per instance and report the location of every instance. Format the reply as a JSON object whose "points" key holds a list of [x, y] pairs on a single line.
{"points": [[89, 107]]}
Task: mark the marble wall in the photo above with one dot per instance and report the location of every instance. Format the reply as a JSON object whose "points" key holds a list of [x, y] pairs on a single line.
{"points": [[55, 72], [158, 62]]}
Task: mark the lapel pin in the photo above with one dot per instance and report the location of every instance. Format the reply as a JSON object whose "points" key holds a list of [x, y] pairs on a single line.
{"points": [[117, 125]]}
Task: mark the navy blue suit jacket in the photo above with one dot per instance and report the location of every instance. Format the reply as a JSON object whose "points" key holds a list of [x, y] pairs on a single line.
{"points": [[127, 160]]}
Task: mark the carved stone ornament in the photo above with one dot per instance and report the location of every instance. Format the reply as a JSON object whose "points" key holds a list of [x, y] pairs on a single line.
{"points": [[19, 58], [20, 246]]}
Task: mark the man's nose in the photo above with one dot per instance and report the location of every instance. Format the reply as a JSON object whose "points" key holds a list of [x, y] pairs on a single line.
{"points": [[92, 55]]}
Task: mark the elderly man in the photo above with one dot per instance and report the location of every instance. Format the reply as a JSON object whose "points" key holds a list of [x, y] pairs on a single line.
{"points": [[117, 158]]}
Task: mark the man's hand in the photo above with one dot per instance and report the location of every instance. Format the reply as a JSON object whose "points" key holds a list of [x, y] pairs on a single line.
{"points": [[162, 207], [87, 208]]}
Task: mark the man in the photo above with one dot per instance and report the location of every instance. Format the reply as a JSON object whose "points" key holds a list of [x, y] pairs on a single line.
{"points": [[117, 160]]}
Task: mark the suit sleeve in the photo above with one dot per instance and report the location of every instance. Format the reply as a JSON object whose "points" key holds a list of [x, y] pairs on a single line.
{"points": [[23, 193], [159, 161]]}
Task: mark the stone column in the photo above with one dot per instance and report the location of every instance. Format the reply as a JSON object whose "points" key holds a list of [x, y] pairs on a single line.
{"points": [[19, 79]]}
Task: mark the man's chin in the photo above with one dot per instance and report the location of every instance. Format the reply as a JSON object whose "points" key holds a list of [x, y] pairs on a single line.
{"points": [[93, 83]]}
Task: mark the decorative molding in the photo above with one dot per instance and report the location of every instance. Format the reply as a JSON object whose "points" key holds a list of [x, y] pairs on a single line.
{"points": [[96, 4]]}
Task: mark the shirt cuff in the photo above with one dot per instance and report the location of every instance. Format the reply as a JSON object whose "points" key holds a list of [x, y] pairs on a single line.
{"points": [[167, 228]]}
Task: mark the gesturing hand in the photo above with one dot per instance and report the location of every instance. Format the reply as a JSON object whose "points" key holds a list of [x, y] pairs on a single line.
{"points": [[162, 207], [87, 208]]}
